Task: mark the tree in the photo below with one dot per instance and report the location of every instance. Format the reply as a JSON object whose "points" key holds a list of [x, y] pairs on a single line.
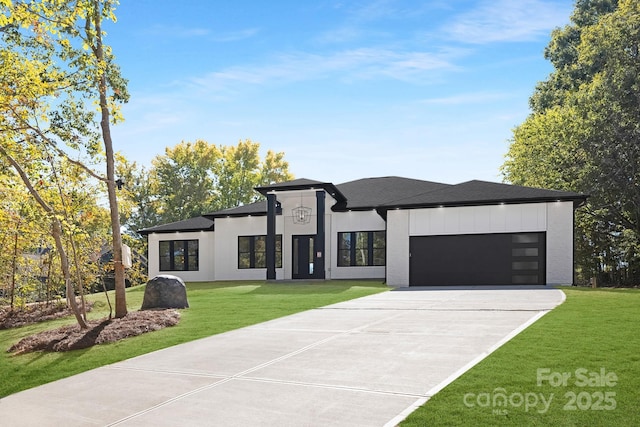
{"points": [[184, 180], [65, 67], [584, 133], [191, 179]]}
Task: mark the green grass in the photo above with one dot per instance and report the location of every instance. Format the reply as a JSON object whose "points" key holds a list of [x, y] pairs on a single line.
{"points": [[594, 329], [214, 308]]}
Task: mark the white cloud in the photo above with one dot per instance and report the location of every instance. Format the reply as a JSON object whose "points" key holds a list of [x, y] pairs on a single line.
{"points": [[508, 21], [467, 98], [236, 35], [176, 31], [347, 65]]}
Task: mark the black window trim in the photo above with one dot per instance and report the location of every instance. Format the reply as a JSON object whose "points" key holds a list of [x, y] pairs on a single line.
{"points": [[252, 251], [185, 248], [370, 248]]}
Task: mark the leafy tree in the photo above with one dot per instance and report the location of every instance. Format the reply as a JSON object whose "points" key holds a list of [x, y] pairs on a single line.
{"points": [[55, 68], [184, 180], [191, 179], [584, 132]]}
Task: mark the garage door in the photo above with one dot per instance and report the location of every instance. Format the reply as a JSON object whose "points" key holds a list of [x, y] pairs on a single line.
{"points": [[478, 259]]}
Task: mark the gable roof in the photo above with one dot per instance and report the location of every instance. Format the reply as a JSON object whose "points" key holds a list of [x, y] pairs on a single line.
{"points": [[483, 193], [199, 223]]}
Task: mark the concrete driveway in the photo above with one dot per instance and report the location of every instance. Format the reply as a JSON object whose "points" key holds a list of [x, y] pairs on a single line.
{"points": [[365, 362]]}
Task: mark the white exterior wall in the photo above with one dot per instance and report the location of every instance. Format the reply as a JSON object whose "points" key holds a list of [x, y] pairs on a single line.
{"points": [[478, 219], [560, 243], [398, 247], [348, 222], [227, 232], [555, 218], [206, 250]]}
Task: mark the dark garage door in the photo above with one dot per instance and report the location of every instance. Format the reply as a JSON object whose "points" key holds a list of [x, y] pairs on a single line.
{"points": [[478, 259]]}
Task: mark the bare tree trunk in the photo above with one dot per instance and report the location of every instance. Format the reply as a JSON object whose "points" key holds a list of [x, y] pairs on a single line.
{"points": [[121, 302], [64, 262], [14, 267], [57, 236]]}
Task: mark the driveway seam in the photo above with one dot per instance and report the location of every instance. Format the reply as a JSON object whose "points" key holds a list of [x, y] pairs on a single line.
{"points": [[240, 375]]}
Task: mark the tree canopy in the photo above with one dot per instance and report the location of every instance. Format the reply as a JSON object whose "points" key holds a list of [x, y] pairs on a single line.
{"points": [[194, 178], [584, 134]]}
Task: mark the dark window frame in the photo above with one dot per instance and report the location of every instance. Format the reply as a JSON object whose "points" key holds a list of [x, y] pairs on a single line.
{"points": [[353, 249], [251, 252], [190, 257]]}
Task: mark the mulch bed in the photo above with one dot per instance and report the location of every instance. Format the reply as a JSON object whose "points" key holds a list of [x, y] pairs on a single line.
{"points": [[72, 337], [35, 313]]}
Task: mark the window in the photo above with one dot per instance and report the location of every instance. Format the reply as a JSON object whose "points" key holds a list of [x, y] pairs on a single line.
{"points": [[361, 248], [179, 255], [252, 251]]}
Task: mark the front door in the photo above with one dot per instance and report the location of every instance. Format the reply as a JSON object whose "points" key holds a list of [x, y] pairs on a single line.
{"points": [[303, 257]]}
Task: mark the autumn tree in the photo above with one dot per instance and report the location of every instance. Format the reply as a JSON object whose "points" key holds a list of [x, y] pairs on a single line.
{"points": [[65, 70], [195, 178], [583, 134]]}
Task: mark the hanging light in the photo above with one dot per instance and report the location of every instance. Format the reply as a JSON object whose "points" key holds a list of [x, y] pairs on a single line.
{"points": [[301, 214]]}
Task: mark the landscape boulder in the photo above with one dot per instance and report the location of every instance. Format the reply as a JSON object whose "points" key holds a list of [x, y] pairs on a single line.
{"points": [[165, 291]]}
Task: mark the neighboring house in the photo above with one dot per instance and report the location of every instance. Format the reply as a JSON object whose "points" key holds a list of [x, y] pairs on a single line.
{"points": [[406, 232]]}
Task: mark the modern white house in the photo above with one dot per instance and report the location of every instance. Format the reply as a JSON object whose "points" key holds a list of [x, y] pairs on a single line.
{"points": [[403, 231]]}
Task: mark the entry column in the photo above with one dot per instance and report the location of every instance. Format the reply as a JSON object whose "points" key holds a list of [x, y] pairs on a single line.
{"points": [[318, 242], [271, 237]]}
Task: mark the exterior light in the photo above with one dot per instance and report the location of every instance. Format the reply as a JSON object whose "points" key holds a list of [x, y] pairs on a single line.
{"points": [[301, 215]]}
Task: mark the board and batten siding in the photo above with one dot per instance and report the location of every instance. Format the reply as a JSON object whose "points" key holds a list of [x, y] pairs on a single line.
{"points": [[554, 218]]}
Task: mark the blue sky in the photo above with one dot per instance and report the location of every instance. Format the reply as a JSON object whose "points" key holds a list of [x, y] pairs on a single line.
{"points": [[346, 88]]}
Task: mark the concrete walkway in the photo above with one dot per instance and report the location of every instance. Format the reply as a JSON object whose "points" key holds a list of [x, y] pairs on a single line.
{"points": [[365, 362]]}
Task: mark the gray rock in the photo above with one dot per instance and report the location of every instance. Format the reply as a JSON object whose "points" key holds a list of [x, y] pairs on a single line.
{"points": [[165, 291]]}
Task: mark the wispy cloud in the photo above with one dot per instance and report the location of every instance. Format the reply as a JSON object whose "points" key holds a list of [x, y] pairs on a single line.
{"points": [[236, 35], [347, 65], [177, 31], [507, 21], [467, 98]]}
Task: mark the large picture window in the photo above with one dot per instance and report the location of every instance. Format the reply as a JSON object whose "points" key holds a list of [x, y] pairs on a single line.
{"points": [[361, 248], [252, 251], [179, 255]]}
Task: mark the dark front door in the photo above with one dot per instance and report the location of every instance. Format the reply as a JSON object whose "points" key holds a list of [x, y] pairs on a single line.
{"points": [[303, 257]]}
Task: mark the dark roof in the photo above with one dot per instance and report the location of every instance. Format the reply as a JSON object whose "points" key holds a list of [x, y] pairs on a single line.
{"points": [[199, 223], [303, 184], [483, 192], [370, 193], [386, 193], [256, 208]]}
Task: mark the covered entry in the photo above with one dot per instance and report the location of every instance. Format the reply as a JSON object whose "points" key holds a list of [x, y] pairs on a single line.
{"points": [[477, 259]]}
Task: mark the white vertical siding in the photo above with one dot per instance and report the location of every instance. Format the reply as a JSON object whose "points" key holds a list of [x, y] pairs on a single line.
{"points": [[560, 243], [478, 219], [398, 225]]}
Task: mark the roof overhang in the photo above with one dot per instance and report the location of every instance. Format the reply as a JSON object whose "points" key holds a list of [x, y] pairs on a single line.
{"points": [[328, 187]]}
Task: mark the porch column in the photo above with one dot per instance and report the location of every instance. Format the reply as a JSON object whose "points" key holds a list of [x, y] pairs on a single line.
{"points": [[271, 237], [318, 242]]}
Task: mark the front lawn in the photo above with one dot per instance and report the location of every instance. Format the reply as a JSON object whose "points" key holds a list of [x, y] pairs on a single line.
{"points": [[214, 308], [577, 366]]}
